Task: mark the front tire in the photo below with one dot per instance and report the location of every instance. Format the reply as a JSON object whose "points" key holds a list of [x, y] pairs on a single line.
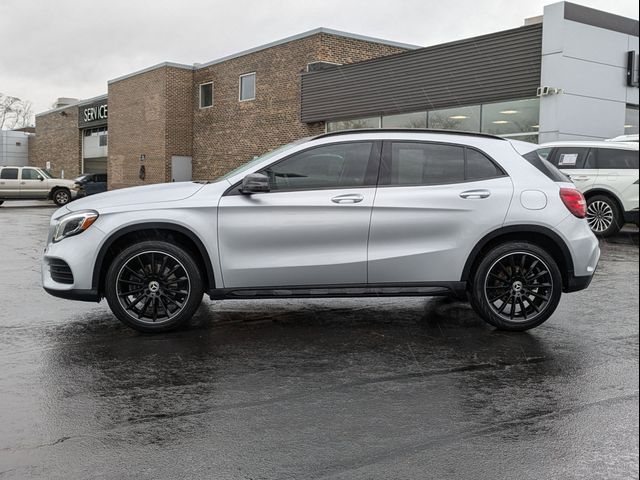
{"points": [[516, 286], [154, 286], [603, 215], [61, 197]]}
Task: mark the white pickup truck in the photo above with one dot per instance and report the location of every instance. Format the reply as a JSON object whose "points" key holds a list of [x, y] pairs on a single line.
{"points": [[32, 183]]}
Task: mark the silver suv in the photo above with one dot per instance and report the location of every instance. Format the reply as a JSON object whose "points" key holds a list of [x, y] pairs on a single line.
{"points": [[349, 214], [31, 183]]}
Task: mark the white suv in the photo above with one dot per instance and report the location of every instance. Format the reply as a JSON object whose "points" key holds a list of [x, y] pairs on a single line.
{"points": [[32, 183], [606, 173], [366, 213]]}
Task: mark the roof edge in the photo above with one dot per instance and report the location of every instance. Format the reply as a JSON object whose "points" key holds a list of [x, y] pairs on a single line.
{"points": [[149, 69], [74, 104]]}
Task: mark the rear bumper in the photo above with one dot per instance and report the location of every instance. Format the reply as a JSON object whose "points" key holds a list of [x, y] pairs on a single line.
{"points": [[575, 284]]}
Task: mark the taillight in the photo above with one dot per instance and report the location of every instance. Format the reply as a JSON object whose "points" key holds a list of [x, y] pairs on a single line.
{"points": [[574, 201]]}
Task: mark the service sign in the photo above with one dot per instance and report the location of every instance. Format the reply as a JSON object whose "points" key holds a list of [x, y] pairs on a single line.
{"points": [[93, 114]]}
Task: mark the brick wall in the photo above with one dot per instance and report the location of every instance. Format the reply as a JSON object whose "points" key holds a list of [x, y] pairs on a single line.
{"points": [[179, 127], [231, 132], [58, 141]]}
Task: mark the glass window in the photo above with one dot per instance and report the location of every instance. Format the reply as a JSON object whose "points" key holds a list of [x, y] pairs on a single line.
{"points": [[620, 159], [248, 86], [631, 121], [573, 157], [405, 120], [9, 174], [100, 177], [458, 118], [517, 116], [544, 152], [479, 167], [30, 174], [206, 95], [331, 166], [424, 164], [545, 167], [371, 122], [103, 140]]}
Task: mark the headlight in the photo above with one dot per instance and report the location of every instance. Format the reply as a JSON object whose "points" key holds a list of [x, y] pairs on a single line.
{"points": [[74, 223]]}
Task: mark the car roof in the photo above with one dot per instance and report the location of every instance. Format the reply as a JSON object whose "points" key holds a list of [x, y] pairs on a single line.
{"points": [[592, 144], [417, 131]]}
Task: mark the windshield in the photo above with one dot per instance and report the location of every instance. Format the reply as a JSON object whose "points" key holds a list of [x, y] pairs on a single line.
{"points": [[46, 173], [260, 159]]}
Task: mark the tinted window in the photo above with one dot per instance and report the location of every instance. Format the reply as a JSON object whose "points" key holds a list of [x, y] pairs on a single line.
{"points": [[9, 174], [545, 167], [30, 174], [573, 157], [611, 158], [100, 177], [332, 166], [479, 167], [423, 164]]}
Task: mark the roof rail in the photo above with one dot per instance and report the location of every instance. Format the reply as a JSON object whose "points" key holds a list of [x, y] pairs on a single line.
{"points": [[409, 130]]}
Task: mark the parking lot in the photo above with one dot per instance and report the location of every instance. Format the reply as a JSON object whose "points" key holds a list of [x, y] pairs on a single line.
{"points": [[304, 389]]}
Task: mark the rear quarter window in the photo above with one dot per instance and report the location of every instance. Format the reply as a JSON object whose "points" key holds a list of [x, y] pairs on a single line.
{"points": [[545, 167], [617, 159]]}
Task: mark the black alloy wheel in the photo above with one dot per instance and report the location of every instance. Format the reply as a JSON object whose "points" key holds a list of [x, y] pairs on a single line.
{"points": [[154, 286], [516, 286]]}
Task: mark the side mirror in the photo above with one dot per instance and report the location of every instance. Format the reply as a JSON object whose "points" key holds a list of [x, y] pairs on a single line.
{"points": [[255, 183], [41, 178]]}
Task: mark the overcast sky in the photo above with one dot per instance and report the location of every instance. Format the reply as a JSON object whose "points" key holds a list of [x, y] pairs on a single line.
{"points": [[70, 48]]}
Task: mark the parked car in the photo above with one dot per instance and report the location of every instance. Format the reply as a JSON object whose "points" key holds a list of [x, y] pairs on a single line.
{"points": [[346, 214], [91, 183], [32, 183], [607, 174]]}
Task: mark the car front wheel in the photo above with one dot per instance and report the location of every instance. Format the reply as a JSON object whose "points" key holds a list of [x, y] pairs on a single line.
{"points": [[516, 286], [154, 286], [61, 197]]}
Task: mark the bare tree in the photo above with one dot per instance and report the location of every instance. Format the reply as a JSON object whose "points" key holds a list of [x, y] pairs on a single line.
{"points": [[15, 113]]}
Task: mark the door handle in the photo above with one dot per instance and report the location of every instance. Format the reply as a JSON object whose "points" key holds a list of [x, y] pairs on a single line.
{"points": [[580, 178], [475, 194], [348, 198]]}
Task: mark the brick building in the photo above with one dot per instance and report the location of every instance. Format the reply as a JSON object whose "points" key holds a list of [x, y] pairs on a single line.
{"points": [[195, 121]]}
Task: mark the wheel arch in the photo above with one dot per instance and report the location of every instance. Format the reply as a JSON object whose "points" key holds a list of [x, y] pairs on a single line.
{"points": [[151, 231], [538, 235]]}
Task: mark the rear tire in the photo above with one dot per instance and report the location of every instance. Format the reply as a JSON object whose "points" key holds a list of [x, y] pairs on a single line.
{"points": [[154, 286], [604, 216], [61, 196], [1, 202], [516, 286]]}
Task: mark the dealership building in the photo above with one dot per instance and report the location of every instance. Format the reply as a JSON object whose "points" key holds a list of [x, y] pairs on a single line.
{"points": [[570, 74]]}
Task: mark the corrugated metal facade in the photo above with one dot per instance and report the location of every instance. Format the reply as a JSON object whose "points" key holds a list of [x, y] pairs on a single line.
{"points": [[494, 67]]}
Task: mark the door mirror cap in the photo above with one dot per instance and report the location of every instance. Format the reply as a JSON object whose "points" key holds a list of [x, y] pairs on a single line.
{"points": [[255, 183]]}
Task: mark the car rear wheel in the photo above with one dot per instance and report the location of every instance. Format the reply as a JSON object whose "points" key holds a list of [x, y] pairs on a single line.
{"points": [[1, 202], [61, 196], [516, 286], [604, 216], [154, 286]]}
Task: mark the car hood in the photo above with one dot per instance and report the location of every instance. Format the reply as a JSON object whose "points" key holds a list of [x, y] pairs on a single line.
{"points": [[161, 192]]}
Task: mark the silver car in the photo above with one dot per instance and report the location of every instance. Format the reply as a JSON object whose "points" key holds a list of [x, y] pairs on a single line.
{"points": [[348, 214]]}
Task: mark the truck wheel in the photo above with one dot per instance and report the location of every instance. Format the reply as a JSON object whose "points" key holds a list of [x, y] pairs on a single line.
{"points": [[154, 286], [517, 286], [61, 196]]}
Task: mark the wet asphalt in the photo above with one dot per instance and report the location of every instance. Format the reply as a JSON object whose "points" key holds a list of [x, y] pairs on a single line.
{"points": [[405, 388]]}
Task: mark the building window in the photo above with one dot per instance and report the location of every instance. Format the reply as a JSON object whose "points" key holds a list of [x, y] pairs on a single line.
{"points": [[405, 120], [247, 86], [518, 118], [356, 123], [103, 140], [206, 95], [631, 120], [457, 118]]}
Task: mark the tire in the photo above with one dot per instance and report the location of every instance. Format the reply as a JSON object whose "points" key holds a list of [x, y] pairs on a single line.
{"points": [[61, 196], [528, 279], [155, 299], [1, 202], [604, 216]]}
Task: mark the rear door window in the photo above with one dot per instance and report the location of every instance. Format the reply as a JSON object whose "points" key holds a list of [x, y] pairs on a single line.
{"points": [[573, 158], [617, 159], [9, 174]]}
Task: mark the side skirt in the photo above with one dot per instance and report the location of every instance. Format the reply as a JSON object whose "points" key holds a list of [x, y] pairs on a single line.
{"points": [[427, 289]]}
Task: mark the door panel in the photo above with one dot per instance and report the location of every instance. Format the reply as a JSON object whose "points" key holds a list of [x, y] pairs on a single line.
{"points": [[617, 172], [294, 238], [578, 163], [425, 233], [9, 182], [30, 184]]}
